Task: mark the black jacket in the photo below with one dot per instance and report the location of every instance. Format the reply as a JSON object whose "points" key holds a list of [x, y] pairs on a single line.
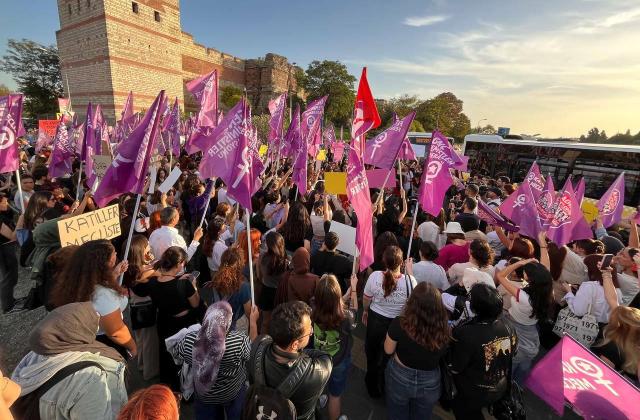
{"points": [[332, 262]]}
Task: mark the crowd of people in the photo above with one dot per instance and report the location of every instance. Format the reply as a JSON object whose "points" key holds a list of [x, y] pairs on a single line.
{"points": [[457, 319]]}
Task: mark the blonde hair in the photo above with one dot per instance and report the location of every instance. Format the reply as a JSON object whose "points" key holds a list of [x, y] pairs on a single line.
{"points": [[624, 331]]}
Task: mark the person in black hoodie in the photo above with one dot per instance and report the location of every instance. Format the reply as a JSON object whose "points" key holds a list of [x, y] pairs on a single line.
{"points": [[328, 260]]}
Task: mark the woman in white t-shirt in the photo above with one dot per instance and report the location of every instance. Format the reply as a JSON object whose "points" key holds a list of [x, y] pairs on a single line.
{"points": [[480, 257], [214, 245], [528, 305], [385, 294]]}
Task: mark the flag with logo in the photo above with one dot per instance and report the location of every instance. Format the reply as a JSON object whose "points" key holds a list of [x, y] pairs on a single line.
{"points": [[546, 201], [365, 112], [309, 128], [43, 141], [128, 171], [62, 152], [205, 90], [291, 137], [276, 110], [568, 223], [10, 130], [360, 199], [171, 129], [611, 204], [536, 182], [492, 218], [436, 176], [406, 151], [382, 150], [520, 207], [329, 136], [580, 187]]}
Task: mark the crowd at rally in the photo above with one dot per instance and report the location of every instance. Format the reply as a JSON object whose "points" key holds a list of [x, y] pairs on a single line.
{"points": [[456, 309]]}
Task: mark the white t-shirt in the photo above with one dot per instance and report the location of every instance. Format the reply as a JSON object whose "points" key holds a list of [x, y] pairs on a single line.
{"points": [[390, 306], [216, 255], [629, 287], [456, 271], [106, 301], [430, 272], [520, 309]]}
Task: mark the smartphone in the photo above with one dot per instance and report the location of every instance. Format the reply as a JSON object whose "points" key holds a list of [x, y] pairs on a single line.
{"points": [[606, 261], [194, 275]]}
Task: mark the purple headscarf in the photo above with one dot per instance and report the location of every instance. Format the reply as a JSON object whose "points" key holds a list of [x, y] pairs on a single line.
{"points": [[210, 346]]}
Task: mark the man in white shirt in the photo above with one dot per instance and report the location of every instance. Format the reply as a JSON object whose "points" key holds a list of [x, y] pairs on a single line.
{"points": [[168, 236]]}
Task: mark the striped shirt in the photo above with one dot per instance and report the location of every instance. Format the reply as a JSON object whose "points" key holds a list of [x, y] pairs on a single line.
{"points": [[232, 374]]}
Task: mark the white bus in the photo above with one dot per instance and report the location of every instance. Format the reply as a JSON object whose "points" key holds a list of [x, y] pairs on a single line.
{"points": [[598, 164]]}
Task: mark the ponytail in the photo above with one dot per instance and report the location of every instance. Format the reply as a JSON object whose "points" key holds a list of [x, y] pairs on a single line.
{"points": [[392, 259], [389, 283]]}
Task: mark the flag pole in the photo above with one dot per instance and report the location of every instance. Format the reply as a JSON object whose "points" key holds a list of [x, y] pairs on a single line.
{"points": [[413, 226], [79, 180], [125, 257], [206, 207], [22, 206], [250, 262]]}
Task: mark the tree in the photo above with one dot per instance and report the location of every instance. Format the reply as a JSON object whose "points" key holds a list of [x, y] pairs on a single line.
{"points": [[36, 70], [4, 90], [416, 126], [595, 136], [487, 129], [261, 123], [444, 113], [230, 96], [331, 78]]}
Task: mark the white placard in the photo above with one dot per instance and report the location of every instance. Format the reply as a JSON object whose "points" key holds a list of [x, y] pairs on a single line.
{"points": [[171, 179], [347, 235], [152, 179]]}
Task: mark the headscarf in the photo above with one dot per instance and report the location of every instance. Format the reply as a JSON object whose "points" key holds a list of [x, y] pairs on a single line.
{"points": [[70, 327], [210, 346]]}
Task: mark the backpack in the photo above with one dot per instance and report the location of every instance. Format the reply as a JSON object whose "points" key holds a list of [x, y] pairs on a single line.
{"points": [[267, 403], [327, 341]]}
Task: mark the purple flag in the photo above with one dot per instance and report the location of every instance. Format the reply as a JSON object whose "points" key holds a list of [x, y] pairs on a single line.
{"points": [[124, 126], [596, 391], [520, 207], [291, 138], [310, 121], [10, 130], [205, 90], [129, 169], [77, 135], [436, 178], [546, 201], [62, 153], [580, 191], [611, 204], [329, 136], [93, 144], [43, 141], [358, 193], [535, 180], [276, 109], [171, 129], [568, 223], [382, 150], [89, 134], [406, 151], [492, 218], [299, 154]]}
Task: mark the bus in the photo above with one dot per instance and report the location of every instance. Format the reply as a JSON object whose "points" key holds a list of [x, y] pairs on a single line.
{"points": [[420, 140], [598, 164]]}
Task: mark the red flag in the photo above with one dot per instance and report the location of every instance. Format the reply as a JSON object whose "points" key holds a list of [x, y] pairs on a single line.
{"points": [[365, 112]]}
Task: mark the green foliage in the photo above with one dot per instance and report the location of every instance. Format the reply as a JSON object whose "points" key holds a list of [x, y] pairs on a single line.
{"points": [[36, 70], [330, 78], [416, 126], [596, 136], [4, 90], [230, 96], [261, 122]]}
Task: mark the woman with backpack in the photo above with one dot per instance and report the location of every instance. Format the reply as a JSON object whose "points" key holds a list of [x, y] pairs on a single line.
{"points": [[333, 324], [416, 341], [385, 294]]}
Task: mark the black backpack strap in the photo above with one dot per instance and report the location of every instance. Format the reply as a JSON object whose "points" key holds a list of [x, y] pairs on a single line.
{"points": [[63, 373], [294, 379], [259, 350]]}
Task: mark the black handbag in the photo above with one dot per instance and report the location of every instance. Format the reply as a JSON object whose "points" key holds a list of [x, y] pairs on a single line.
{"points": [[447, 386], [143, 315]]}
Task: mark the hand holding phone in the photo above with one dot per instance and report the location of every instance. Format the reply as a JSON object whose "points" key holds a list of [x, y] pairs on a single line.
{"points": [[606, 261]]}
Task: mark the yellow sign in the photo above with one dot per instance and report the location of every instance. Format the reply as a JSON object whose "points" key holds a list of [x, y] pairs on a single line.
{"points": [[335, 182], [590, 211], [100, 224], [263, 150], [322, 155]]}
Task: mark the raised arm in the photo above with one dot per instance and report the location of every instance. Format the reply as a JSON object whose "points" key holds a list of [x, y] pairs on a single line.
{"points": [[503, 275], [544, 250]]}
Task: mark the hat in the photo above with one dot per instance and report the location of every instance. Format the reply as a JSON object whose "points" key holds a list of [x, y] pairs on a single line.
{"points": [[472, 276], [453, 227], [611, 245]]}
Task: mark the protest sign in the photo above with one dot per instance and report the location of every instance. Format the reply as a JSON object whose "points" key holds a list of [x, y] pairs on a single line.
{"points": [[590, 211], [376, 178], [335, 182], [347, 235], [48, 127], [322, 155], [100, 224], [171, 179], [100, 164], [263, 150], [152, 178]]}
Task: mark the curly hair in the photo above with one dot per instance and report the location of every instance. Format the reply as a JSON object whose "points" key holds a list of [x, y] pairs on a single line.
{"points": [[329, 310], [425, 318], [392, 259], [229, 277], [480, 250], [88, 267]]}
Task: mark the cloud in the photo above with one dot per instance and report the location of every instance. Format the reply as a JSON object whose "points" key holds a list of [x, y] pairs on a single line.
{"points": [[592, 26], [418, 21]]}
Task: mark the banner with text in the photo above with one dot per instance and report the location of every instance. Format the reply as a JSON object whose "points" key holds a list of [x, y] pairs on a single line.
{"points": [[100, 224]]}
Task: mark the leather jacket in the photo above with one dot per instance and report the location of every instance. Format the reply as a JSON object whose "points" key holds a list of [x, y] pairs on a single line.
{"points": [[306, 396]]}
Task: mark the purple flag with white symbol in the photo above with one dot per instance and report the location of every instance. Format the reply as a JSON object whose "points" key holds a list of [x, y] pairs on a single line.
{"points": [[171, 129], [568, 223], [276, 109], [125, 125], [520, 207], [546, 201], [293, 132], [358, 193], [10, 123], [406, 151], [128, 171], [329, 136], [611, 204], [62, 153], [436, 177], [205, 90], [382, 150], [535, 180], [492, 218], [89, 135], [43, 141], [310, 121]]}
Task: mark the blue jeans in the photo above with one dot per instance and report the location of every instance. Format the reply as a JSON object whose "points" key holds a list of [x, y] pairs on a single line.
{"points": [[233, 408], [410, 393]]}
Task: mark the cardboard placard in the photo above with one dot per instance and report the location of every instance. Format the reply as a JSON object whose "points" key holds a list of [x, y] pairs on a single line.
{"points": [[48, 127], [263, 150], [347, 235], [590, 211], [322, 155], [100, 224], [335, 182], [152, 178], [376, 178], [171, 180], [100, 164]]}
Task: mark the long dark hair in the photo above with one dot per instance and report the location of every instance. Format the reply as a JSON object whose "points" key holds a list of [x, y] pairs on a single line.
{"points": [[556, 259], [329, 310], [38, 204], [297, 225], [89, 267], [213, 234], [384, 241], [593, 271], [170, 258], [276, 257], [540, 290], [425, 318], [136, 259], [392, 259]]}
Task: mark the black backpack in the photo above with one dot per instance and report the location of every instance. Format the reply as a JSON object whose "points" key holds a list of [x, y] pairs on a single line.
{"points": [[264, 402]]}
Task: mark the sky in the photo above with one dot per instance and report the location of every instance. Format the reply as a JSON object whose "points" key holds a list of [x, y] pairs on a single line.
{"points": [[556, 68]]}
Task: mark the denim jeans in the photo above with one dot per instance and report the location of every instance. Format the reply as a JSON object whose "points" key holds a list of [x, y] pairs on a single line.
{"points": [[410, 393], [233, 408]]}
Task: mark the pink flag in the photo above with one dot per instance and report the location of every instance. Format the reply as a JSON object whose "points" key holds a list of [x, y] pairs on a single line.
{"points": [[611, 204], [436, 178], [546, 201], [88, 138], [535, 180], [580, 191], [382, 150], [492, 218], [329, 136], [43, 141], [568, 223], [520, 207], [290, 139], [205, 90], [62, 153], [127, 109], [311, 119], [358, 193], [276, 109], [129, 169], [10, 123], [595, 391], [315, 144], [337, 149], [406, 151]]}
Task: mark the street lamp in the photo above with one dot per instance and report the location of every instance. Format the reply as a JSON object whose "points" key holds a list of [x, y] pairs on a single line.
{"points": [[479, 121]]}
